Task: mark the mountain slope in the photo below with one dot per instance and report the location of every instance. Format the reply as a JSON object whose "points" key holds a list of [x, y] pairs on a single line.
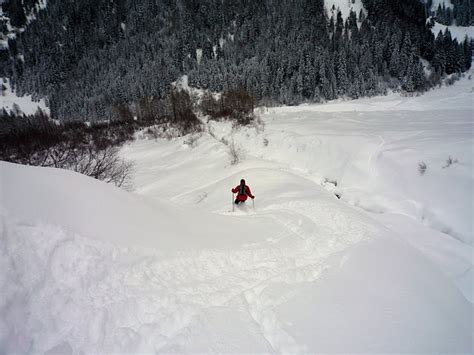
{"points": [[69, 293], [86, 267]]}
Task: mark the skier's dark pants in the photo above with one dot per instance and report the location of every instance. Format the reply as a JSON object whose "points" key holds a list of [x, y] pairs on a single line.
{"points": [[237, 201]]}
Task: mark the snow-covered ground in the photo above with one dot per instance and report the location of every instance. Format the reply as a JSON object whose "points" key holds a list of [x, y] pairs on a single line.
{"points": [[345, 6], [458, 32], [87, 267], [10, 101]]}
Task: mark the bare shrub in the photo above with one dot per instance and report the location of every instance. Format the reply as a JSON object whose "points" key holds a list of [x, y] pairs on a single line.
{"points": [[239, 105], [236, 104], [183, 115], [265, 142], [201, 197], [123, 111], [209, 105], [450, 161], [452, 79], [152, 132], [192, 140], [103, 164], [422, 167], [88, 149], [148, 108], [235, 154], [258, 124]]}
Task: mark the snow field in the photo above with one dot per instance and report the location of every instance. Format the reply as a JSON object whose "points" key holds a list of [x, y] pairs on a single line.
{"points": [[8, 100], [63, 291], [345, 6], [86, 267], [458, 32]]}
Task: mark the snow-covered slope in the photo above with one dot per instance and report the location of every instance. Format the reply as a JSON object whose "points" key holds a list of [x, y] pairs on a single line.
{"points": [[307, 285], [373, 148], [345, 6], [10, 101], [458, 32], [99, 211], [88, 268]]}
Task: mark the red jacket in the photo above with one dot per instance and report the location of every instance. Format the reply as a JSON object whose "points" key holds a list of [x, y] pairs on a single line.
{"points": [[243, 197]]}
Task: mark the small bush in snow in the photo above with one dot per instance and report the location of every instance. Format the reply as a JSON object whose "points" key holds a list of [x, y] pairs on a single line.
{"points": [[201, 197], [265, 142], [450, 161], [151, 132], [422, 167], [235, 154], [192, 140], [329, 181], [104, 164], [258, 124], [452, 79], [182, 113]]}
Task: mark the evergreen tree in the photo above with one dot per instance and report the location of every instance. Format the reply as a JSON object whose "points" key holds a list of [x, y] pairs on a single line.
{"points": [[341, 73]]}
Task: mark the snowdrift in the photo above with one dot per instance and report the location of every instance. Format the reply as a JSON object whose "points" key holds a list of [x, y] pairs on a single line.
{"points": [[333, 279], [104, 212]]}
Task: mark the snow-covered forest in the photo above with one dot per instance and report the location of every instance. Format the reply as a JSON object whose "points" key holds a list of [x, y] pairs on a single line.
{"points": [[282, 52], [127, 126]]}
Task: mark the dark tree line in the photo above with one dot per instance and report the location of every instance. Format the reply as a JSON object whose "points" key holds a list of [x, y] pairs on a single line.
{"points": [[99, 60], [88, 149]]}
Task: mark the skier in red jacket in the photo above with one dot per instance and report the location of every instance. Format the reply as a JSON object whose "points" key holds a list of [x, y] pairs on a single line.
{"points": [[242, 191]]}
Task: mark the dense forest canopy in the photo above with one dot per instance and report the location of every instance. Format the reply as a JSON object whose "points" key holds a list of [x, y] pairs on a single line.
{"points": [[93, 59]]}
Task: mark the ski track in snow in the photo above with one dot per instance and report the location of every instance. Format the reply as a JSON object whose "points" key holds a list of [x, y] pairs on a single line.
{"points": [[123, 306], [125, 302]]}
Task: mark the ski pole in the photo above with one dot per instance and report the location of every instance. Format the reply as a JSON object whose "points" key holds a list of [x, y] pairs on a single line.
{"points": [[233, 204], [253, 203]]}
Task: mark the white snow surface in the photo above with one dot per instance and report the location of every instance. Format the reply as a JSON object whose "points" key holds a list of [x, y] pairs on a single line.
{"points": [[86, 267], [436, 3], [345, 6], [8, 99], [458, 32]]}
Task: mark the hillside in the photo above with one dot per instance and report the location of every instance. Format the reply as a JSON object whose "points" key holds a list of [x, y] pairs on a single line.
{"points": [[87, 267], [126, 126]]}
